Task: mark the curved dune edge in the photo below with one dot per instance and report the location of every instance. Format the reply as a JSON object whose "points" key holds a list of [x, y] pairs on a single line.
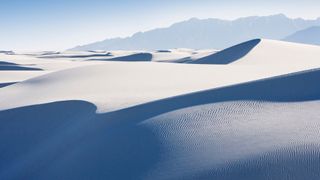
{"points": [[271, 124], [265, 52], [113, 85], [6, 84], [229, 55], [255, 117]]}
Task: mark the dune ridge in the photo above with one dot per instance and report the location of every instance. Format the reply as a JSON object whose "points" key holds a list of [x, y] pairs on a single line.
{"points": [[163, 134], [248, 112]]}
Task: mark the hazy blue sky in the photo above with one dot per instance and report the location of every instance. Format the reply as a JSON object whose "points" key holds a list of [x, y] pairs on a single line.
{"points": [[60, 24]]}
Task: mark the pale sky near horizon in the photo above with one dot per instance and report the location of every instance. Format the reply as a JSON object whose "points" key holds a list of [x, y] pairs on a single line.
{"points": [[61, 24]]}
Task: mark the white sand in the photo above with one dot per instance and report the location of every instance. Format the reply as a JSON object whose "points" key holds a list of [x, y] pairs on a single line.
{"points": [[79, 118]]}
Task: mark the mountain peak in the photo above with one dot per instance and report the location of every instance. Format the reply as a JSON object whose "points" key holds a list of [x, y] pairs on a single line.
{"points": [[280, 15], [210, 33], [309, 35], [194, 19]]}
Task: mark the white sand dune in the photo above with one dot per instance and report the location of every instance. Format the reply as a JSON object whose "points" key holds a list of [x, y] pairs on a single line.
{"points": [[266, 52], [255, 117], [115, 85], [171, 55], [19, 67]]}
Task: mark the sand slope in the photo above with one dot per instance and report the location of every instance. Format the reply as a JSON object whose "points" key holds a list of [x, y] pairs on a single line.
{"points": [[262, 52], [249, 119], [221, 133], [113, 85]]}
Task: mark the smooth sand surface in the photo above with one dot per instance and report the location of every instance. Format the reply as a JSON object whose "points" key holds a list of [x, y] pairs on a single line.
{"points": [[247, 112]]}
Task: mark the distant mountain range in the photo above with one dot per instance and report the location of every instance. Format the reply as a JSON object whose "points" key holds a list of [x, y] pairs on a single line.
{"points": [[307, 36], [207, 33]]}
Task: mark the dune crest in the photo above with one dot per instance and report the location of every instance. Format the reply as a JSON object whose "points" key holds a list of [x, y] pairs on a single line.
{"points": [[209, 134], [265, 52], [229, 55], [250, 112]]}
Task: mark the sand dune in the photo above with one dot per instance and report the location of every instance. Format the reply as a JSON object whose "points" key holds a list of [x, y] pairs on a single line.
{"points": [[114, 85], [265, 52], [271, 52], [170, 55], [247, 112], [18, 67], [221, 133], [7, 66], [229, 55]]}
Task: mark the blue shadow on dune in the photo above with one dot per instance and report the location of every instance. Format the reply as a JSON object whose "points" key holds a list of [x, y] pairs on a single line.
{"points": [[163, 51], [6, 84], [4, 63], [229, 55], [7, 66], [295, 87], [292, 163], [7, 52], [18, 68], [68, 140], [133, 57], [75, 56]]}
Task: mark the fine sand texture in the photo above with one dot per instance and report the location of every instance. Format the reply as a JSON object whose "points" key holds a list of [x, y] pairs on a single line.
{"points": [[248, 112]]}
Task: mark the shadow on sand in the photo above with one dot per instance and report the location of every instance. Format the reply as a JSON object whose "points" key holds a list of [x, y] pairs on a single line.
{"points": [[69, 140], [7, 66], [6, 84], [133, 57], [228, 55], [77, 56]]}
